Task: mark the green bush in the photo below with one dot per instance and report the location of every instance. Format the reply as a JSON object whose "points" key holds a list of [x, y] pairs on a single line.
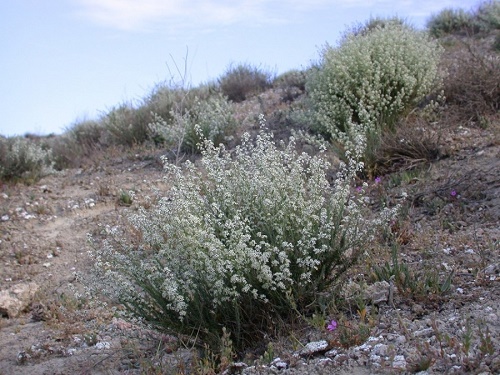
{"points": [[252, 238], [240, 81], [487, 16], [372, 80], [212, 116], [127, 125], [450, 21], [24, 159]]}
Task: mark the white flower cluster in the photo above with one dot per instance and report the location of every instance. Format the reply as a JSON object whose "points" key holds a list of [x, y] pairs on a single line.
{"points": [[374, 78], [260, 224]]}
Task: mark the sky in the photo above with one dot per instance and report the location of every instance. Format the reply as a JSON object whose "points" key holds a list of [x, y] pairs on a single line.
{"points": [[66, 61]]}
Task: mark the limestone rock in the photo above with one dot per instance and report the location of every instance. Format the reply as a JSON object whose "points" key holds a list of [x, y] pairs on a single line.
{"points": [[16, 299]]}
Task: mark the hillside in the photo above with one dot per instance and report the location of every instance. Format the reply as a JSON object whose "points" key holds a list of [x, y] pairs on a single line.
{"points": [[438, 313]]}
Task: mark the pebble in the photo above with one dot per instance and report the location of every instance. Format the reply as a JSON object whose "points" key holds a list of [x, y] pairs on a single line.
{"points": [[399, 362], [314, 347]]}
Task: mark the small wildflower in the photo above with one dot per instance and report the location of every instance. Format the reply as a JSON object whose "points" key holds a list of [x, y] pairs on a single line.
{"points": [[332, 326], [359, 189], [378, 179], [453, 193]]}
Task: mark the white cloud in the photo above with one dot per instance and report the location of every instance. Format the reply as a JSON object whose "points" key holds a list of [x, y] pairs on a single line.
{"points": [[183, 14], [143, 14]]}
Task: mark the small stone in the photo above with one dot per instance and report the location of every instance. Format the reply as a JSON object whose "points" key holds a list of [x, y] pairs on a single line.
{"points": [[314, 348], [400, 340], [103, 345], [5, 218], [399, 362], [380, 350], [279, 364], [427, 332], [417, 309], [491, 269], [332, 353], [378, 292]]}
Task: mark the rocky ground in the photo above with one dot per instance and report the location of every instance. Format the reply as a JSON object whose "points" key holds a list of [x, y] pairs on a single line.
{"points": [[452, 226]]}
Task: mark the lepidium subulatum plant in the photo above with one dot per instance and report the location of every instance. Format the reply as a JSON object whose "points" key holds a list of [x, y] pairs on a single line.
{"points": [[372, 79], [249, 239]]}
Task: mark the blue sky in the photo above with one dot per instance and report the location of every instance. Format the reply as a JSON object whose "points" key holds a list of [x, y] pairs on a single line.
{"points": [[63, 61]]}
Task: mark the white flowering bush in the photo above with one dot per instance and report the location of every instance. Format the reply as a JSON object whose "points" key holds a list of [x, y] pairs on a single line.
{"points": [[212, 115], [253, 237], [24, 158], [372, 79]]}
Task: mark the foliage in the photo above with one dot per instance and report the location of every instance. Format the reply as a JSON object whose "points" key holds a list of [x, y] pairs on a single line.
{"points": [[458, 21], [24, 159], [243, 80], [449, 21], [79, 141], [487, 16], [126, 125], [371, 80], [472, 83], [248, 241], [213, 117]]}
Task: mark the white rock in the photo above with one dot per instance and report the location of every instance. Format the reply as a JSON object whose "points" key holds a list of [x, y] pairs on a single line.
{"points": [[103, 345], [5, 217], [314, 347]]}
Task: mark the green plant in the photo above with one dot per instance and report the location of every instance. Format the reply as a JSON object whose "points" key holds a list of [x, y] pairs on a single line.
{"points": [[487, 16], [416, 285], [242, 80], [23, 159], [125, 198], [371, 80], [247, 241], [449, 21], [211, 118], [126, 125]]}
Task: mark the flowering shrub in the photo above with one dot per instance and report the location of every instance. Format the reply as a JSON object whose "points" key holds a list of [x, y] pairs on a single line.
{"points": [[213, 116], [22, 158], [252, 238], [372, 79]]}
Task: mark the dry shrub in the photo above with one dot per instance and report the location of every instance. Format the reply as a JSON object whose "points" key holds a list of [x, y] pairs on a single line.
{"points": [[473, 82], [413, 145], [243, 80]]}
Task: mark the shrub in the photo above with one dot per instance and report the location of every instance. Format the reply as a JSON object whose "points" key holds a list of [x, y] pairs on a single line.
{"points": [[450, 21], [487, 16], [213, 117], [472, 82], [292, 84], [240, 81], [371, 80], [126, 125], [253, 238], [78, 143], [23, 159]]}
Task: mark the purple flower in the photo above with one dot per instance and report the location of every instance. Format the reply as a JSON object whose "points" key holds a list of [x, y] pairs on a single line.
{"points": [[358, 189], [332, 326], [453, 193], [378, 179]]}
